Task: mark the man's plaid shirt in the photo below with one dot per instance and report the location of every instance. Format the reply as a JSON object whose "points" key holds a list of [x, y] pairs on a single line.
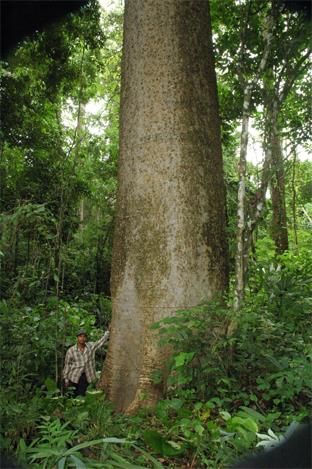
{"points": [[77, 362]]}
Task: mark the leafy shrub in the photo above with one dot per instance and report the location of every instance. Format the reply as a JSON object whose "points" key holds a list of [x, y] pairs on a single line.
{"points": [[283, 286], [55, 447], [37, 337], [198, 338], [264, 362]]}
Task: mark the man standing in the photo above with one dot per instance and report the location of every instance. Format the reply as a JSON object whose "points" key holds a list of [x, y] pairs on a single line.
{"points": [[79, 369]]}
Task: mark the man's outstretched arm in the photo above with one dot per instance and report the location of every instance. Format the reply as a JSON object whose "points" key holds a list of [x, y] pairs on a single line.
{"points": [[99, 343]]}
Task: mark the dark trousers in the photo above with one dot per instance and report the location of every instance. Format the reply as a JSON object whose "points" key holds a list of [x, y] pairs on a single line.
{"points": [[81, 386]]}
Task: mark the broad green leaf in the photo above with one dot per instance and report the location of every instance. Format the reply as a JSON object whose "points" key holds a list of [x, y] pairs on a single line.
{"points": [[253, 413], [250, 425], [183, 358], [225, 415]]}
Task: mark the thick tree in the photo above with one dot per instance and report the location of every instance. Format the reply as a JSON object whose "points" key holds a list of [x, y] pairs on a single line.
{"points": [[170, 249]]}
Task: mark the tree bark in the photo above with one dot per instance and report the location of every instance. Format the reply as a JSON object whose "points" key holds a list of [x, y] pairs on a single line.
{"points": [[241, 207], [279, 219], [170, 249], [294, 199]]}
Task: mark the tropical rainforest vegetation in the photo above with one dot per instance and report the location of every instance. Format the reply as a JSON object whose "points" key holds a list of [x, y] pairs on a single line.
{"points": [[238, 377]]}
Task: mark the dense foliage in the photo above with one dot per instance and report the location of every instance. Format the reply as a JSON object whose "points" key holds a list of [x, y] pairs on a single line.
{"points": [[235, 380]]}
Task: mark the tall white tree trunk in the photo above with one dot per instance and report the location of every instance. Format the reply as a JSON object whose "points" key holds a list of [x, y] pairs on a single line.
{"points": [[242, 242], [240, 260], [170, 249]]}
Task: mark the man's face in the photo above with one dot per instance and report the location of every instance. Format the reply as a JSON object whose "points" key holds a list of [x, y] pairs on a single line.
{"points": [[81, 339]]}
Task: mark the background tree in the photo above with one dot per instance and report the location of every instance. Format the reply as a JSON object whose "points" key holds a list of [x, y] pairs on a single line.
{"points": [[289, 62], [56, 161], [52, 157], [266, 30]]}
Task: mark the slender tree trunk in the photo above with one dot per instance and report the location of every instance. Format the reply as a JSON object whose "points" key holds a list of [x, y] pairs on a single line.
{"points": [[279, 220], [28, 248], [170, 249], [294, 199], [241, 193], [64, 266], [63, 196], [15, 249], [59, 242], [81, 214], [243, 239], [77, 160], [3, 180], [99, 261], [78, 139], [64, 322], [241, 208], [56, 364], [50, 257], [255, 208]]}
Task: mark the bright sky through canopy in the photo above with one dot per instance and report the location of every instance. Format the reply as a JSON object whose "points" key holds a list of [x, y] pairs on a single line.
{"points": [[110, 5], [255, 151]]}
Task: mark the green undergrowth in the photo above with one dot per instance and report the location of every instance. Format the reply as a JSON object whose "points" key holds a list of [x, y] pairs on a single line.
{"points": [[51, 430], [236, 382]]}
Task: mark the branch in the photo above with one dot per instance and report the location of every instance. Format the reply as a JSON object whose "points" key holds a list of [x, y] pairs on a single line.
{"points": [[79, 95], [243, 29], [268, 35], [306, 214], [292, 49], [298, 68], [293, 147]]}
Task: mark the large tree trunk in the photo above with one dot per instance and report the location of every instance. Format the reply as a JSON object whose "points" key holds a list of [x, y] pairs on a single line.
{"points": [[170, 249]]}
